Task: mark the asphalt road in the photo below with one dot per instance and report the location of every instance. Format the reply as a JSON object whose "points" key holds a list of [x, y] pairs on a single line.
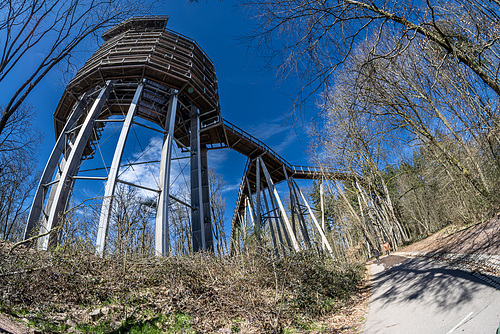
{"points": [[417, 296]]}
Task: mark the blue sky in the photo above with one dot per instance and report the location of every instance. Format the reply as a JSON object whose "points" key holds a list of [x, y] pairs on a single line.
{"points": [[250, 98]]}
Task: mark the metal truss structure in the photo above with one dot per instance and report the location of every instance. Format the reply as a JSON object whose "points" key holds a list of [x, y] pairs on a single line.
{"points": [[144, 71]]}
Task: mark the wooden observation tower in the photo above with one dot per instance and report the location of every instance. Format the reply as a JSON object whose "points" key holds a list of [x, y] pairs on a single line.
{"points": [[145, 71]]}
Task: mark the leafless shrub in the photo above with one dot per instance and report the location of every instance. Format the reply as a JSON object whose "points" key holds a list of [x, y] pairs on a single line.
{"points": [[264, 293]]}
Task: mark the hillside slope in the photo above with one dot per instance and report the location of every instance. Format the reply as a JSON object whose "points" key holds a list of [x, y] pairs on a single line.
{"points": [[479, 238]]}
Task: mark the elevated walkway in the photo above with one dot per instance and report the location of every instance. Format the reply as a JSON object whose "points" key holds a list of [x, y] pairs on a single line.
{"points": [[222, 133]]}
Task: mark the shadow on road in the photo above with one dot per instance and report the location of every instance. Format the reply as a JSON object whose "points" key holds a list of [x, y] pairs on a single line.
{"points": [[399, 280]]}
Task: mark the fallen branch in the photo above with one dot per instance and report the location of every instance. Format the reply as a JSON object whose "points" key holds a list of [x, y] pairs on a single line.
{"points": [[23, 271], [22, 242]]}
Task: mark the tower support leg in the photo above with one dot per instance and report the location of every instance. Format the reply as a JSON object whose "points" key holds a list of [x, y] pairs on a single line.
{"points": [[71, 166], [201, 218], [315, 221], [205, 192], [113, 174], [162, 233], [197, 214], [284, 216], [50, 168]]}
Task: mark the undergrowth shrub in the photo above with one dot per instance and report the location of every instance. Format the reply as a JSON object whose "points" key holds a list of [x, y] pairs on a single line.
{"points": [[257, 291]]}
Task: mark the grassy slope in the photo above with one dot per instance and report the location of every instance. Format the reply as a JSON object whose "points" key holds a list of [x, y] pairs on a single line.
{"points": [[67, 289]]}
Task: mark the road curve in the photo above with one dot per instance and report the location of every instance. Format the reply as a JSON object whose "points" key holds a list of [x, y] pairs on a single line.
{"points": [[418, 296]]}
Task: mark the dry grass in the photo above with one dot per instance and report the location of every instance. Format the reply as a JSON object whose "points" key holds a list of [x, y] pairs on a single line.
{"points": [[249, 293]]}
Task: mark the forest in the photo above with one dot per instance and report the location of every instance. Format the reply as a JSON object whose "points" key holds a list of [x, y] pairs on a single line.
{"points": [[407, 101], [403, 96]]}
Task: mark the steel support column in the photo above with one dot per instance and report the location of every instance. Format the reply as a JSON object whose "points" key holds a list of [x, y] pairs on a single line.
{"points": [[318, 227], [71, 166], [50, 168], [294, 202], [109, 191], [249, 208], [205, 192], [257, 193], [322, 204], [197, 214], [162, 232], [280, 225], [284, 216], [271, 222]]}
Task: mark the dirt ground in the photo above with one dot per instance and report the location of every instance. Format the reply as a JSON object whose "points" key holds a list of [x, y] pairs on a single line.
{"points": [[349, 320], [389, 261], [480, 238]]}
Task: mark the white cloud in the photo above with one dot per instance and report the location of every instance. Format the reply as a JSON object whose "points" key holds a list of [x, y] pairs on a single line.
{"points": [[231, 187], [287, 141], [147, 175], [266, 130], [217, 158]]}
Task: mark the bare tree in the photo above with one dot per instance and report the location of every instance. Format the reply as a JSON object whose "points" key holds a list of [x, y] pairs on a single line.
{"points": [[53, 29], [180, 218], [410, 104], [131, 229], [417, 128], [218, 207], [314, 38], [17, 171]]}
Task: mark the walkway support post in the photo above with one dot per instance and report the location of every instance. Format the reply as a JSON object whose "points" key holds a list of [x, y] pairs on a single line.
{"points": [[318, 227], [162, 232], [280, 225], [284, 216], [71, 167], [271, 222], [295, 207], [322, 203], [50, 168], [109, 191]]}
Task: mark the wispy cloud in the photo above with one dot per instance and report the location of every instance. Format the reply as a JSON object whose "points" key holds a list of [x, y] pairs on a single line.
{"points": [[148, 175], [217, 158], [231, 187], [265, 131], [285, 143]]}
